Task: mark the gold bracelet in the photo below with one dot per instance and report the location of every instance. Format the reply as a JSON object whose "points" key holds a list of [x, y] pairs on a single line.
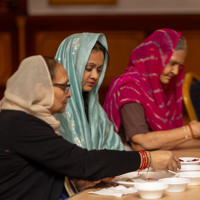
{"points": [[186, 135], [191, 130]]}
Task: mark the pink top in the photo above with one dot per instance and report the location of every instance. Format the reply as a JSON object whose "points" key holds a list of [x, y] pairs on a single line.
{"points": [[141, 83]]}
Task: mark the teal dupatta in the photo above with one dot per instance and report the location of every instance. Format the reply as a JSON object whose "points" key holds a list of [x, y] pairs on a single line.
{"points": [[98, 133]]}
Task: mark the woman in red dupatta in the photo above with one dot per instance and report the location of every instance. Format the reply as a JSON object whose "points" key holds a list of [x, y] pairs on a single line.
{"points": [[145, 103]]}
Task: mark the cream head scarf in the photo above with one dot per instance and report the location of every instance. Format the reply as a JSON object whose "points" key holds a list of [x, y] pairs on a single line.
{"points": [[30, 90], [98, 133]]}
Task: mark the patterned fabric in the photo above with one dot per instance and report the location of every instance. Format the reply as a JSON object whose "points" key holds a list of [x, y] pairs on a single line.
{"points": [[98, 133], [30, 90], [141, 83]]}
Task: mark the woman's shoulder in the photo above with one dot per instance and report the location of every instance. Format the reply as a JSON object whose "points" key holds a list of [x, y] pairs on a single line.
{"points": [[17, 117], [22, 123]]}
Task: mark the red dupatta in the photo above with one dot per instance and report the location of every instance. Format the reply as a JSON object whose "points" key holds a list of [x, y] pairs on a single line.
{"points": [[141, 83]]}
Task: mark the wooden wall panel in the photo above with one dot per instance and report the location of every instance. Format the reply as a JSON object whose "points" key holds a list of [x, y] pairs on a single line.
{"points": [[192, 62], [43, 34], [123, 33], [8, 49], [5, 57], [47, 42], [120, 45]]}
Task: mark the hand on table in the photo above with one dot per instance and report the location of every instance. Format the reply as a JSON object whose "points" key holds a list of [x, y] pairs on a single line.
{"points": [[84, 184], [109, 181], [164, 160]]}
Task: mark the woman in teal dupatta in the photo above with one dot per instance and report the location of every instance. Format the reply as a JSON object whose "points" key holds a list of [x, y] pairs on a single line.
{"points": [[91, 130]]}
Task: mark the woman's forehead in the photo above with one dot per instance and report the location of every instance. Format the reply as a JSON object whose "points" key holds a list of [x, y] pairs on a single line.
{"points": [[61, 74]]}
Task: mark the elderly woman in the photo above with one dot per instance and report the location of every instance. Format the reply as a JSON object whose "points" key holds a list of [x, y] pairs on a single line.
{"points": [[34, 158], [145, 103], [84, 122]]}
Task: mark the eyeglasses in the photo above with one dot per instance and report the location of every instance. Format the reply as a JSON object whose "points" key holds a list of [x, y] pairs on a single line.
{"points": [[64, 87]]}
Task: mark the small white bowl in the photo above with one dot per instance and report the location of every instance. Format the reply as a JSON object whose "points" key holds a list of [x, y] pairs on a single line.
{"points": [[189, 160], [151, 190], [194, 176], [175, 184], [186, 168]]}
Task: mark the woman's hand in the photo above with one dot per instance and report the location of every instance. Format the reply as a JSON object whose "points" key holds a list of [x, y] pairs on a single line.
{"points": [[84, 184], [164, 160], [193, 122], [109, 181]]}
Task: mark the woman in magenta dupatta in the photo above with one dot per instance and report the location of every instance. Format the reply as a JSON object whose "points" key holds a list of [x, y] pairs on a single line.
{"points": [[141, 83]]}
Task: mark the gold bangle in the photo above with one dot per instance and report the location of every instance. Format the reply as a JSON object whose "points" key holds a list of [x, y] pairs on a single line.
{"points": [[193, 136], [184, 130]]}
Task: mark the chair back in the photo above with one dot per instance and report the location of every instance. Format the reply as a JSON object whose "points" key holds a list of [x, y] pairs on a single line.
{"points": [[191, 95]]}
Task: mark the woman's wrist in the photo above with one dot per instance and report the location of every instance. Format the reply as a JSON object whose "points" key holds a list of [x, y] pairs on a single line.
{"points": [[145, 158], [149, 159], [191, 130], [186, 132]]}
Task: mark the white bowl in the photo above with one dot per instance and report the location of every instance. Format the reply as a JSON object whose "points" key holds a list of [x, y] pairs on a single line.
{"points": [[151, 190], [189, 160], [175, 184], [185, 168], [194, 176]]}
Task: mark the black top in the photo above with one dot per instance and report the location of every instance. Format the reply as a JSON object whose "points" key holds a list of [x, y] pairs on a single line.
{"points": [[34, 160]]}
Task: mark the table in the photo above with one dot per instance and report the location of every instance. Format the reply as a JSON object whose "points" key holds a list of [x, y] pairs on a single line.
{"points": [[187, 153], [192, 191]]}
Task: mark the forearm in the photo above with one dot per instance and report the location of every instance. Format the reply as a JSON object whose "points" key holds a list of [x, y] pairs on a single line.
{"points": [[189, 144], [136, 147], [94, 165], [162, 139]]}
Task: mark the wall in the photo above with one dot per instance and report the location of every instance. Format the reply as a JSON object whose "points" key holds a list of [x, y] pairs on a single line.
{"points": [[123, 33], [41, 30], [130, 7]]}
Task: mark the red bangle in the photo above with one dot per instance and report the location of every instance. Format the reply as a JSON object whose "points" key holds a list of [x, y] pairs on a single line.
{"points": [[145, 160], [193, 136]]}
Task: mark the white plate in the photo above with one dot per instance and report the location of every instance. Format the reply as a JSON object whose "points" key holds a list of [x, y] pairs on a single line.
{"points": [[127, 176], [154, 176], [128, 183], [189, 160], [185, 168]]}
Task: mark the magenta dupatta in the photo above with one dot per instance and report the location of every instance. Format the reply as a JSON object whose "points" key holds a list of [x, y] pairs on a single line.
{"points": [[141, 83]]}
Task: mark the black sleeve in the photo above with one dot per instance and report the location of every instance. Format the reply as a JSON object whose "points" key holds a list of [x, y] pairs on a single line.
{"points": [[35, 140]]}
